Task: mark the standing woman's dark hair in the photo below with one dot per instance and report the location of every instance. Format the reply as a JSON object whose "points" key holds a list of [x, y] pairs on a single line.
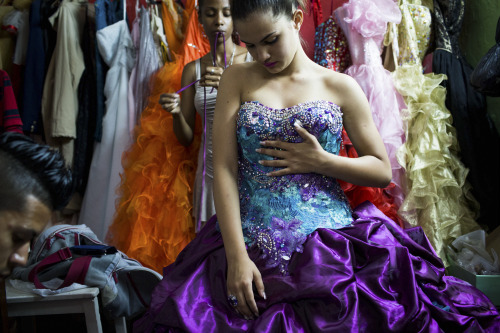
{"points": [[28, 168], [242, 9]]}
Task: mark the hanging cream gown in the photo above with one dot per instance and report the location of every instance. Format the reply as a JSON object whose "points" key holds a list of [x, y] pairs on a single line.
{"points": [[438, 197]]}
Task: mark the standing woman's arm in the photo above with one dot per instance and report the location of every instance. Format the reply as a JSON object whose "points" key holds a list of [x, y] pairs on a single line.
{"points": [[241, 270], [182, 109]]}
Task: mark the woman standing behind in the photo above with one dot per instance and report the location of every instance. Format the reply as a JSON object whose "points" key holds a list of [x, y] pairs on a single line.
{"points": [[215, 17]]}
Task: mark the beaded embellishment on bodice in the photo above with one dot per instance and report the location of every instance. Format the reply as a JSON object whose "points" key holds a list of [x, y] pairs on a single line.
{"points": [[278, 213], [414, 33]]}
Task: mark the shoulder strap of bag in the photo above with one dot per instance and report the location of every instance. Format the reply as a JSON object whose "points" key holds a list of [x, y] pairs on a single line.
{"points": [[77, 271]]}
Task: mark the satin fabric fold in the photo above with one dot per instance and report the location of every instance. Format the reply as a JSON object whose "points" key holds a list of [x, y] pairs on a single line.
{"points": [[372, 274]]}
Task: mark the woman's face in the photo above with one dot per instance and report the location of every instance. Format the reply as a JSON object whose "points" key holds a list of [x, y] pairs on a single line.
{"points": [[272, 41], [215, 16]]}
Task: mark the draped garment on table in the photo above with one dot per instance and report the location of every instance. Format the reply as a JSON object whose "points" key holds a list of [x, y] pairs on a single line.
{"points": [[476, 133], [203, 199], [154, 222], [331, 51], [324, 268], [99, 203], [438, 197]]}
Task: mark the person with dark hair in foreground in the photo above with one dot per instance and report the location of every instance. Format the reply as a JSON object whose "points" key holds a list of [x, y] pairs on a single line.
{"points": [[34, 182], [285, 252]]}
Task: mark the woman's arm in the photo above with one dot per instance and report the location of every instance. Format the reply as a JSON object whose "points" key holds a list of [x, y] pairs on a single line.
{"points": [[371, 168], [182, 109], [241, 270]]}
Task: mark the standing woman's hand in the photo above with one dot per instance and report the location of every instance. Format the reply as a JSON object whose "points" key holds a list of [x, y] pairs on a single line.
{"points": [[241, 275], [212, 77], [170, 103]]}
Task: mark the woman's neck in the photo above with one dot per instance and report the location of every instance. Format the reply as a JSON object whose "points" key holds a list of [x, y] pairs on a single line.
{"points": [[220, 51], [299, 64]]}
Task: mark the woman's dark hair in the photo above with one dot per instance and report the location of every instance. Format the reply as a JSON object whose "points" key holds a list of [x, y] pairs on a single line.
{"points": [[240, 9], [29, 168]]}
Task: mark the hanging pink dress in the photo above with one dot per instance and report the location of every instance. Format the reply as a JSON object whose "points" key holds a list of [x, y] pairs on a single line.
{"points": [[364, 23]]}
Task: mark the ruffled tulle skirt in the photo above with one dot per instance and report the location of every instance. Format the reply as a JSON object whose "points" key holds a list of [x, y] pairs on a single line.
{"points": [[372, 276], [153, 220], [439, 198], [386, 105]]}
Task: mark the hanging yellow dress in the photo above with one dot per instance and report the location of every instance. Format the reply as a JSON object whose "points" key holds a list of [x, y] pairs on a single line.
{"points": [[438, 197], [154, 222]]}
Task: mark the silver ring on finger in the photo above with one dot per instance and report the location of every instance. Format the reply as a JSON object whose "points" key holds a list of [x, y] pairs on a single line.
{"points": [[233, 301]]}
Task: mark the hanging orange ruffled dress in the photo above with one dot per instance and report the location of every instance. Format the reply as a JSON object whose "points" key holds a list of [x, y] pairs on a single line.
{"points": [[154, 222]]}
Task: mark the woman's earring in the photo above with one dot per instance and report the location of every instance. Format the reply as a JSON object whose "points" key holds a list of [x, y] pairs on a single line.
{"points": [[236, 38]]}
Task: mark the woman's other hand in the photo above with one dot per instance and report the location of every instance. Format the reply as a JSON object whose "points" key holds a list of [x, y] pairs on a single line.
{"points": [[212, 77], [293, 158], [170, 103], [240, 278]]}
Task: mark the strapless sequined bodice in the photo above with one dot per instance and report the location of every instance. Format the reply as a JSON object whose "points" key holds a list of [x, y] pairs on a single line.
{"points": [[278, 213]]}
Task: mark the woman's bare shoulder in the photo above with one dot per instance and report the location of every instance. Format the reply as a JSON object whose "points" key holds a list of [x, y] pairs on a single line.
{"points": [[343, 87], [336, 79], [239, 71], [189, 70]]}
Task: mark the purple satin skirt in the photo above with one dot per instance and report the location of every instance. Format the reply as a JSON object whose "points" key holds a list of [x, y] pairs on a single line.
{"points": [[370, 277]]}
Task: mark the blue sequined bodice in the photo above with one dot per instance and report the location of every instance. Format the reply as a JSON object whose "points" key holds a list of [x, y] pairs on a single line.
{"points": [[277, 213]]}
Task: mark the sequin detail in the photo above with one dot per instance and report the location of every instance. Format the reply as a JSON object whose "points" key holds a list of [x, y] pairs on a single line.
{"points": [[414, 34], [277, 213], [330, 46]]}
